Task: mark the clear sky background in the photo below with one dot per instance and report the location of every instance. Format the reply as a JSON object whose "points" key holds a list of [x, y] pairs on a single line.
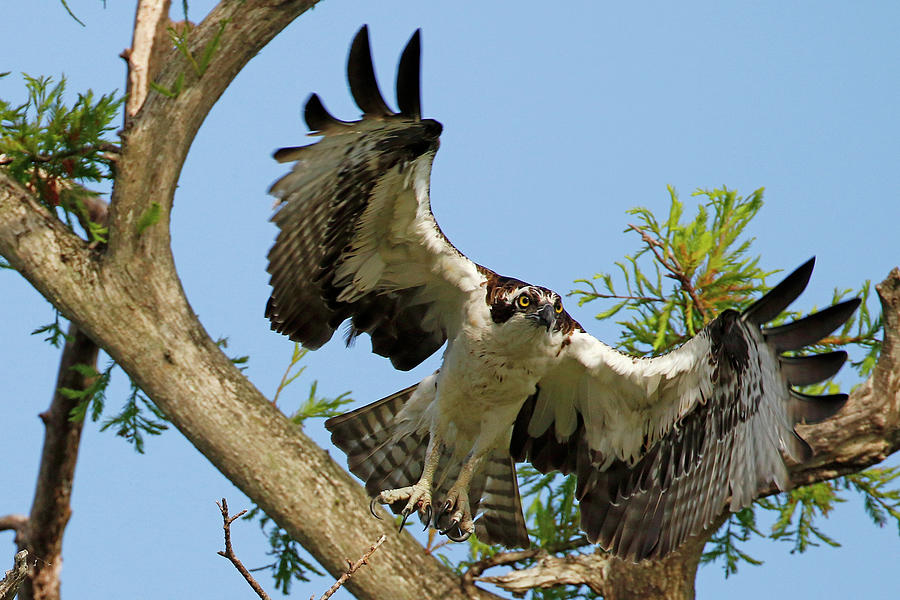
{"points": [[558, 118]]}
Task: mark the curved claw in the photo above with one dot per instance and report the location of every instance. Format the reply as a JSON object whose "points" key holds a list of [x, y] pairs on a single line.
{"points": [[426, 518], [372, 504], [465, 535], [444, 510], [405, 514], [453, 523]]}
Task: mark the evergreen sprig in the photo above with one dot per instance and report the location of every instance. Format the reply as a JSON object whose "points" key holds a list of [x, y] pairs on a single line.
{"points": [[697, 269], [54, 149], [138, 416], [55, 335]]}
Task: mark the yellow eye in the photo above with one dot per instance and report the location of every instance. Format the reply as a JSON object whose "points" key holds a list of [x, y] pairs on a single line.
{"points": [[523, 301], [557, 307]]}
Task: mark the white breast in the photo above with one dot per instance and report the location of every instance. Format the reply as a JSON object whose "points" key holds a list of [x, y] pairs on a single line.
{"points": [[489, 371]]}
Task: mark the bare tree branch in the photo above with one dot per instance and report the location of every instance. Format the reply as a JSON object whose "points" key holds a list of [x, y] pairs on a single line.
{"points": [[156, 141], [552, 571], [669, 578], [9, 585], [17, 523], [229, 550], [353, 568], [473, 573], [51, 507], [150, 23]]}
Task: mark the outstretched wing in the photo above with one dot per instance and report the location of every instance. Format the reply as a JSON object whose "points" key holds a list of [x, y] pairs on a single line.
{"points": [[357, 237], [661, 445]]}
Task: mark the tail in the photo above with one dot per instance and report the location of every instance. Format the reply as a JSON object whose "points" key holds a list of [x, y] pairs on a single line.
{"points": [[502, 521], [375, 452], [386, 456]]}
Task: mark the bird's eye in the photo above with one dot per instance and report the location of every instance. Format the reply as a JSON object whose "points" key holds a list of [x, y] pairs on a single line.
{"points": [[557, 307], [523, 301]]}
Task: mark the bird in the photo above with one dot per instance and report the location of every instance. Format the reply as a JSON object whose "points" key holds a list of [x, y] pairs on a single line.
{"points": [[659, 446]]}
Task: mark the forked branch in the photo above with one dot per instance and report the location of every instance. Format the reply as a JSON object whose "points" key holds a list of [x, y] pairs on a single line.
{"points": [[229, 550], [230, 555], [352, 568]]}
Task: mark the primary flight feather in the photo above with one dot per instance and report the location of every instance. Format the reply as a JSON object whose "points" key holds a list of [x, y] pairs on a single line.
{"points": [[659, 446]]}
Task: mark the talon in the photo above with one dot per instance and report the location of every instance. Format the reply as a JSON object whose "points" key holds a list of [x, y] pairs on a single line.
{"points": [[426, 518], [453, 523], [405, 514], [465, 535], [372, 504], [444, 510]]}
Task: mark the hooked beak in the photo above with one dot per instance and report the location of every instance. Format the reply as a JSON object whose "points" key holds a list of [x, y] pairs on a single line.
{"points": [[546, 316]]}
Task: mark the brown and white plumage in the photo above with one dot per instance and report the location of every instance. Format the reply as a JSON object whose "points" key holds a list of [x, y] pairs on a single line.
{"points": [[659, 446], [357, 238]]}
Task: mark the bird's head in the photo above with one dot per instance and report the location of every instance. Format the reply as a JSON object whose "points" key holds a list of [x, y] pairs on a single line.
{"points": [[514, 301]]}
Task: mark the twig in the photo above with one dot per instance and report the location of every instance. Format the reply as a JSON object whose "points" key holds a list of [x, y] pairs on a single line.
{"points": [[287, 378], [676, 271], [111, 151], [229, 551], [353, 568], [621, 297], [431, 547], [501, 558]]}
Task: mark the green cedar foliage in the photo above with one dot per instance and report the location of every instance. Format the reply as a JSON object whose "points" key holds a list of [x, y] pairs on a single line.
{"points": [[55, 150], [137, 417]]}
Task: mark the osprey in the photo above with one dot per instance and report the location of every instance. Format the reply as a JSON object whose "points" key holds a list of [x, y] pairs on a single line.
{"points": [[659, 446]]}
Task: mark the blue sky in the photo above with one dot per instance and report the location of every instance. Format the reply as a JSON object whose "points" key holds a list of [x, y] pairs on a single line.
{"points": [[586, 109]]}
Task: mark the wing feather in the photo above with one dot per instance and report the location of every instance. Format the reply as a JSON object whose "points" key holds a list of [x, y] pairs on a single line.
{"points": [[811, 329], [408, 73], [361, 76], [660, 446], [357, 239]]}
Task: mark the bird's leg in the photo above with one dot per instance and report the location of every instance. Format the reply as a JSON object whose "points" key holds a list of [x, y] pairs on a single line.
{"points": [[457, 504], [418, 495]]}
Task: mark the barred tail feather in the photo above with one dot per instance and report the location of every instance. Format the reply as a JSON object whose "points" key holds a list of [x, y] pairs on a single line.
{"points": [[376, 452], [501, 521]]}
